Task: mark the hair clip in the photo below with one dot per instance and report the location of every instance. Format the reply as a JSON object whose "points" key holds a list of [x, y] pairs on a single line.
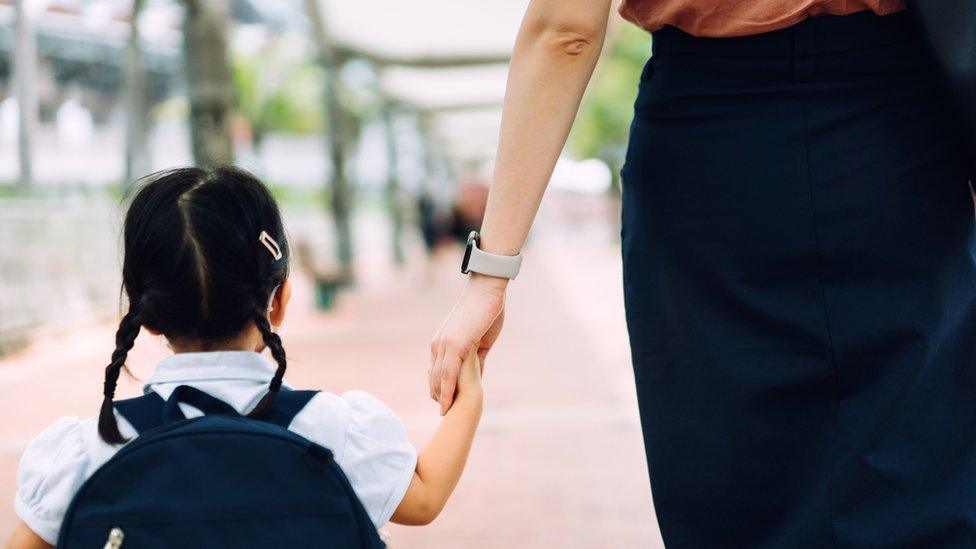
{"points": [[270, 244]]}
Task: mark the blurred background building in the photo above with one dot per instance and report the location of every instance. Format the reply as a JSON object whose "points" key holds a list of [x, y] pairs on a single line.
{"points": [[375, 124]]}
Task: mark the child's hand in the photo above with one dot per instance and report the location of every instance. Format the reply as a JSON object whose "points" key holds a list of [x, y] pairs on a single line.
{"points": [[469, 378], [440, 463]]}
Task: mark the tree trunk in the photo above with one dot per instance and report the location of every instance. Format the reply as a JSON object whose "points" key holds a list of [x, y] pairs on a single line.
{"points": [[208, 81], [136, 95], [392, 190], [25, 63], [341, 198], [336, 136]]}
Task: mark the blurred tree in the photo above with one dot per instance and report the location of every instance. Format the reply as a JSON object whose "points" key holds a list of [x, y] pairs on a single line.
{"points": [[602, 128], [136, 116], [277, 92], [338, 140], [208, 81], [392, 188], [25, 63]]}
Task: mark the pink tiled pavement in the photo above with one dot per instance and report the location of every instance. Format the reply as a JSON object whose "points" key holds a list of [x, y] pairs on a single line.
{"points": [[558, 461]]}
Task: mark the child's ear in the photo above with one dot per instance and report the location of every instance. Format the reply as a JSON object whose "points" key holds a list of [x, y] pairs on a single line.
{"points": [[279, 303]]}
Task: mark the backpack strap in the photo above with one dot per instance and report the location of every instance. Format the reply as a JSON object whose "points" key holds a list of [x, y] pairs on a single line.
{"points": [[144, 412], [185, 394], [147, 411], [287, 404]]}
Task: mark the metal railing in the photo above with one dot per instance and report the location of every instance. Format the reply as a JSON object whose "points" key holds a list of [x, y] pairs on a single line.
{"points": [[59, 264], [60, 259]]}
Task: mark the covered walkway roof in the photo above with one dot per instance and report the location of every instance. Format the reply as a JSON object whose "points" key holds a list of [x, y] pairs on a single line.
{"points": [[447, 58]]}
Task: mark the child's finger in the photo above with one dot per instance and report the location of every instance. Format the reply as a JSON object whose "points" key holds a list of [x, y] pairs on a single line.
{"points": [[434, 376], [471, 368], [473, 354], [450, 368], [482, 356]]}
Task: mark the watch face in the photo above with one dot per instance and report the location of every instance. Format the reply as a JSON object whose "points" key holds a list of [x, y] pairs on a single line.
{"points": [[472, 241], [467, 257]]}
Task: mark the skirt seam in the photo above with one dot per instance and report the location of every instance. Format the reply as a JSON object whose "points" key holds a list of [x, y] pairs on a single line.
{"points": [[805, 156]]}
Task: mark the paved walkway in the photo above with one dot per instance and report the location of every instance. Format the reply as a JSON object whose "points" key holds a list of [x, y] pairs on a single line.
{"points": [[558, 461]]}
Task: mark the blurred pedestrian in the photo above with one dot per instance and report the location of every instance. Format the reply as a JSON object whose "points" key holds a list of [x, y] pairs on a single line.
{"points": [[469, 209]]}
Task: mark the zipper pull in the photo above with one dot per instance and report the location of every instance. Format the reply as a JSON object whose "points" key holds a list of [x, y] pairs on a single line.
{"points": [[115, 537]]}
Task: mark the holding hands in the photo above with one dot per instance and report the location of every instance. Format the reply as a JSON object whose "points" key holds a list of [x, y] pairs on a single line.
{"points": [[440, 463], [471, 327]]}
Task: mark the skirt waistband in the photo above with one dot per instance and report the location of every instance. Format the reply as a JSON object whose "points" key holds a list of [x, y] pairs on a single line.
{"points": [[812, 36]]}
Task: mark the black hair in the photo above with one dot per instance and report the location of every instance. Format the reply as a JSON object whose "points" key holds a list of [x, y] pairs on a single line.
{"points": [[195, 268]]}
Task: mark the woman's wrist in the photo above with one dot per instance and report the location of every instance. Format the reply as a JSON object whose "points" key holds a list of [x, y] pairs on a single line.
{"points": [[488, 282], [489, 241]]}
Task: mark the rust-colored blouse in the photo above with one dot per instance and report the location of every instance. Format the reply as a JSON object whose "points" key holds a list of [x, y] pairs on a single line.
{"points": [[741, 17]]}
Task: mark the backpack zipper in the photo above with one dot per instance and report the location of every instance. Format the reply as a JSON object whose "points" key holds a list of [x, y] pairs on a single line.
{"points": [[115, 537]]}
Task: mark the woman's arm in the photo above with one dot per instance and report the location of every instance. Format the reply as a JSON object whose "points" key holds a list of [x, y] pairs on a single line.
{"points": [[25, 538], [441, 462], [555, 52]]}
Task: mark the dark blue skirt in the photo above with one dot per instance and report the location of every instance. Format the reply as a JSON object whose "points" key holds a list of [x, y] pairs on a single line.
{"points": [[798, 246]]}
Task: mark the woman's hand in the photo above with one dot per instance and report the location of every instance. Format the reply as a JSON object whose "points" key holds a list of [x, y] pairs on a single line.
{"points": [[475, 320]]}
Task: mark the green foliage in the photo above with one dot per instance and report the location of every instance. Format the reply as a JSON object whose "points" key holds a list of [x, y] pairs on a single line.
{"points": [[298, 197], [601, 130], [13, 192], [278, 91]]}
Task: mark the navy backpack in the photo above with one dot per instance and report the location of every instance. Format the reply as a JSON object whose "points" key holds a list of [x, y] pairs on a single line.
{"points": [[220, 480]]}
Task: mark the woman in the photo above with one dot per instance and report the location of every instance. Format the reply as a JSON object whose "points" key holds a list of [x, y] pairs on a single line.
{"points": [[798, 247]]}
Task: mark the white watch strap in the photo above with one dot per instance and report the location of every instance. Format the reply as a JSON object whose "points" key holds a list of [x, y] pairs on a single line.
{"points": [[502, 266]]}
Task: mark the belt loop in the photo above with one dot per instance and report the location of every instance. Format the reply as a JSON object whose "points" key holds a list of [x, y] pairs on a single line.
{"points": [[804, 60]]}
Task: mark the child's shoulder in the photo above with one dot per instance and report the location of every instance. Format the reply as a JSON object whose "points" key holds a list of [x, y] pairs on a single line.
{"points": [[65, 445], [52, 468], [335, 420], [370, 444], [351, 405]]}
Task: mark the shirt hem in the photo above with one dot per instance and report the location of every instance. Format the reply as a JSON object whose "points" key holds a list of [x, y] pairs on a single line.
{"points": [[26, 514], [743, 28], [396, 496]]}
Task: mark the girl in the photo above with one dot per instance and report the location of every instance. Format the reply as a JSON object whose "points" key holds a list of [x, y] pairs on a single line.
{"points": [[206, 266]]}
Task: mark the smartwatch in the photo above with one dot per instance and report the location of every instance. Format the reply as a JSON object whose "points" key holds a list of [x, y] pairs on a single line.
{"points": [[479, 261]]}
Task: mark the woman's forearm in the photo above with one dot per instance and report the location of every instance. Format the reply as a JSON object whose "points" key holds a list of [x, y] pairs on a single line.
{"points": [[557, 48], [555, 53]]}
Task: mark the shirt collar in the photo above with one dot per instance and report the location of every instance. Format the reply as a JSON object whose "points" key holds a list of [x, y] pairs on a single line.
{"points": [[182, 368]]}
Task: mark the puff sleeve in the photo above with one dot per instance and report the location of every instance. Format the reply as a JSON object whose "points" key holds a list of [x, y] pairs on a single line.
{"points": [[52, 469], [376, 457]]}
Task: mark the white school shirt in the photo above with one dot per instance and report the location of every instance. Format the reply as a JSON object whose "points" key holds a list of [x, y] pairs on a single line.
{"points": [[369, 441]]}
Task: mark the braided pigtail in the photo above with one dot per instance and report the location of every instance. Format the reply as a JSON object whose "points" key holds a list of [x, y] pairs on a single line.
{"points": [[273, 343], [125, 337]]}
